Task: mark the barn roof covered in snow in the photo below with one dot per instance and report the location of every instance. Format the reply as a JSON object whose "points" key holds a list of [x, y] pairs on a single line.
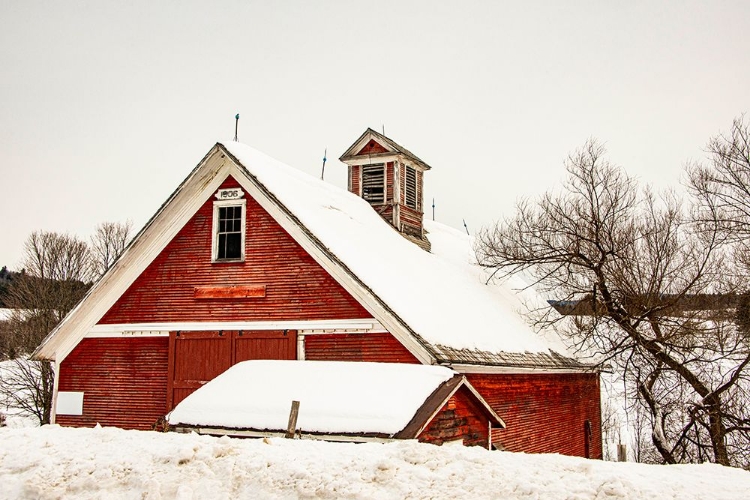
{"points": [[385, 400], [437, 304]]}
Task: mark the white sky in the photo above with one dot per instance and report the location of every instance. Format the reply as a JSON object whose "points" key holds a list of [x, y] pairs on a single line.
{"points": [[106, 106]]}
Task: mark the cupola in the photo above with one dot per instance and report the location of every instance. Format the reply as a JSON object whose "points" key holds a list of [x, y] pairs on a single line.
{"points": [[390, 178]]}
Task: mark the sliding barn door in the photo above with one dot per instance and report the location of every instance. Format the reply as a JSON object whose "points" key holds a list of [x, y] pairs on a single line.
{"points": [[195, 358]]}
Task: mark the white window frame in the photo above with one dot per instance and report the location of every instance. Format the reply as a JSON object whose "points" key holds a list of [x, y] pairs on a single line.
{"points": [[215, 228]]}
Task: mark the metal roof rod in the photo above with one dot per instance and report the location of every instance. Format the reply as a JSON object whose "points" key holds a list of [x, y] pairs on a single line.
{"points": [[323, 171], [236, 124]]}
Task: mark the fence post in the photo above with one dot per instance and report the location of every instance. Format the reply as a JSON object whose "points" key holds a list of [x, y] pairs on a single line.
{"points": [[293, 414]]}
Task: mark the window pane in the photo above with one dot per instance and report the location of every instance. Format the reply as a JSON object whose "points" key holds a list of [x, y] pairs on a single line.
{"points": [[229, 233], [222, 250], [234, 246]]}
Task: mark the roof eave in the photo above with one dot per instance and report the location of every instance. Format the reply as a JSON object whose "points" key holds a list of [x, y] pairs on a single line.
{"points": [[57, 344]]}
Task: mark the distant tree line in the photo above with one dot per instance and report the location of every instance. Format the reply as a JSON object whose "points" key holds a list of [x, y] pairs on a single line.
{"points": [[57, 271]]}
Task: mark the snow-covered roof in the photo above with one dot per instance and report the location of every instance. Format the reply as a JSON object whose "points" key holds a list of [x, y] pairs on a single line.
{"points": [[441, 295], [335, 397], [437, 304]]}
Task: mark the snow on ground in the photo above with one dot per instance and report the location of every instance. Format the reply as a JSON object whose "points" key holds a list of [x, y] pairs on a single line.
{"points": [[54, 462], [336, 396], [13, 417]]}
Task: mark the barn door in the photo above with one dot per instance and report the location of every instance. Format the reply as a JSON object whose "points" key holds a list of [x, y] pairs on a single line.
{"points": [[197, 357], [194, 359], [267, 344]]}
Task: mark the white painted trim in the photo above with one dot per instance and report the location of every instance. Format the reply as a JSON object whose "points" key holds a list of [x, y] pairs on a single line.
{"points": [[355, 148], [55, 391], [215, 229], [126, 333], [374, 159], [490, 369], [309, 327], [300, 346]]}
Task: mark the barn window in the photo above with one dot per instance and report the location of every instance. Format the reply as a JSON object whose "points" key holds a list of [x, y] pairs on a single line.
{"points": [[410, 187], [373, 183], [229, 226]]}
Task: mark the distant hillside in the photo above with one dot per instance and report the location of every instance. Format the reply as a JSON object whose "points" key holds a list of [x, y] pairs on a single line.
{"points": [[5, 278]]}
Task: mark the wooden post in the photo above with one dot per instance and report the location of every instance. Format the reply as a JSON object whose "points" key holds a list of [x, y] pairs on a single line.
{"points": [[622, 453], [293, 414]]}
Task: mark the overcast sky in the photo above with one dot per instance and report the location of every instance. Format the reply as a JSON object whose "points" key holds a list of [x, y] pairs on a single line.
{"points": [[105, 107]]}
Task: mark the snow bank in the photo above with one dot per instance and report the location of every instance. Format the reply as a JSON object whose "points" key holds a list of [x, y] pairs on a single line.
{"points": [[54, 462], [335, 396]]}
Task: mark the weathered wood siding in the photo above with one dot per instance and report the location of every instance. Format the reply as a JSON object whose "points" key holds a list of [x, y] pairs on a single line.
{"points": [[544, 413], [371, 148], [355, 180], [196, 358], [296, 286], [124, 381], [377, 347], [389, 176], [460, 418]]}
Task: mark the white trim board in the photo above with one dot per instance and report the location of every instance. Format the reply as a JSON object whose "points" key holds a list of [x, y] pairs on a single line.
{"points": [[308, 327]]}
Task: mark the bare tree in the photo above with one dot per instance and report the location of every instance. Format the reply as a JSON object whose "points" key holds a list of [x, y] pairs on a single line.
{"points": [[635, 266], [107, 243], [723, 187], [57, 272]]}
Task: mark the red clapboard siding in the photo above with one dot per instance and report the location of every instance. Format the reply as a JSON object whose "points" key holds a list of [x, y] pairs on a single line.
{"points": [[544, 413], [389, 182], [124, 381], [372, 147], [378, 347], [296, 287], [354, 179], [460, 418], [195, 358]]}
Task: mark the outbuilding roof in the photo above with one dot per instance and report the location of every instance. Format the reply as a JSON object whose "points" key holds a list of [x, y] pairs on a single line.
{"points": [[387, 400]]}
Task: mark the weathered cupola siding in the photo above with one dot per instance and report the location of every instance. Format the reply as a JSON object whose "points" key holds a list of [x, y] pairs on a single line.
{"points": [[390, 178]]}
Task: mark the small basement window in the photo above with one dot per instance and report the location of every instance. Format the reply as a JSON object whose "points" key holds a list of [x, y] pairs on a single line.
{"points": [[373, 183], [410, 187], [229, 226]]}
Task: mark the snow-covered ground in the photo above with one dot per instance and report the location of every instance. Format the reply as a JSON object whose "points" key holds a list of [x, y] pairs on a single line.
{"points": [[54, 462], [12, 416]]}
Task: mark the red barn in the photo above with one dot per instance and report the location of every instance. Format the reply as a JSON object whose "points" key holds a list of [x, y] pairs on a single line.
{"points": [[251, 259]]}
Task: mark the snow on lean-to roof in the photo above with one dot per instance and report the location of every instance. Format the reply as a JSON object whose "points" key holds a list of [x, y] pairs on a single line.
{"points": [[335, 397], [445, 302]]}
